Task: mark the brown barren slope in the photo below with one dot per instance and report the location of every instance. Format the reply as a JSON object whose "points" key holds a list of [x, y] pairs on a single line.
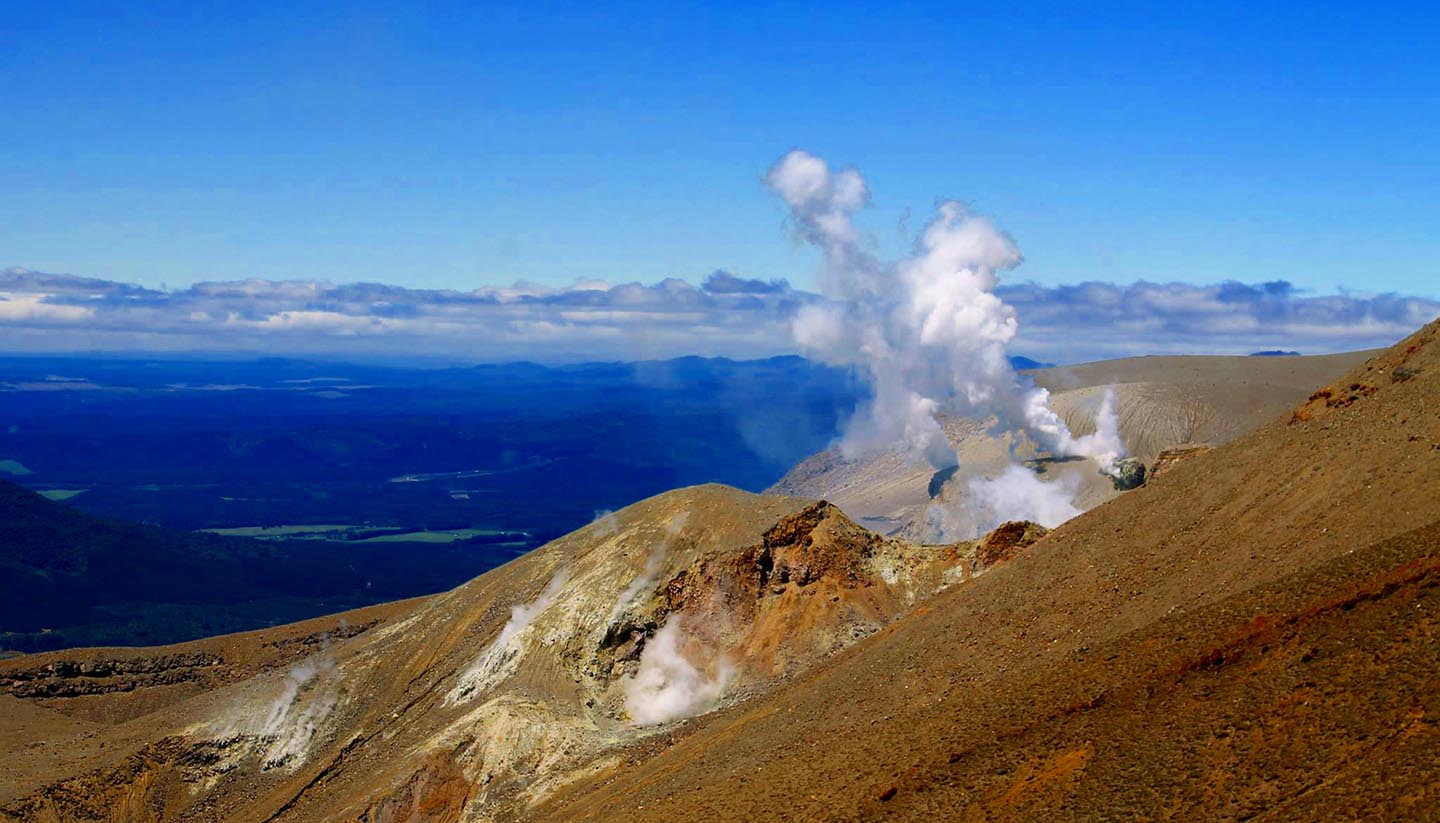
{"points": [[68, 712], [1251, 637], [478, 703], [1251, 634]]}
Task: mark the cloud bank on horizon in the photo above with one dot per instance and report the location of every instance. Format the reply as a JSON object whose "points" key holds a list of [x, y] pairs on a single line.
{"points": [[725, 315]]}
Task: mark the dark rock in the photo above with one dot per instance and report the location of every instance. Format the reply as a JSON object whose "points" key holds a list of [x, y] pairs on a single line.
{"points": [[1128, 474]]}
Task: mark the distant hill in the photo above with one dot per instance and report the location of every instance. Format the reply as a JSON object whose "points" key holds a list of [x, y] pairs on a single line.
{"points": [[1275, 353], [69, 578], [1020, 363]]}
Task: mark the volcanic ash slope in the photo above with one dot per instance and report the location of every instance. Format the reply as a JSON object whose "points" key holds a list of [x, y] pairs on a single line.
{"points": [[1254, 635], [592, 651]]}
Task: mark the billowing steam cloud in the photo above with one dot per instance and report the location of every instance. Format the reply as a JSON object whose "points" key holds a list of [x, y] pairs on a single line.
{"points": [[500, 659], [1017, 494], [929, 333], [667, 686], [654, 561], [927, 330]]}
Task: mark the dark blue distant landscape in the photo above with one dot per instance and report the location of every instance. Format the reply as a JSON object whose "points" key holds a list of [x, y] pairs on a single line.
{"points": [[342, 484], [368, 483]]}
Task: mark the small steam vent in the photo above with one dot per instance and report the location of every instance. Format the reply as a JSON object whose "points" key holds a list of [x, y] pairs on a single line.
{"points": [[1128, 474]]}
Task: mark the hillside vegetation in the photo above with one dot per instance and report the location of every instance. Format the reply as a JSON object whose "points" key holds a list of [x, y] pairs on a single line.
{"points": [[68, 578]]}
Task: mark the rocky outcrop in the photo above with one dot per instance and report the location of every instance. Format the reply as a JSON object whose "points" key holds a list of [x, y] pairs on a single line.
{"points": [[73, 678], [1168, 459], [813, 583], [87, 672], [816, 582], [1333, 397], [818, 542], [1127, 474], [1006, 541]]}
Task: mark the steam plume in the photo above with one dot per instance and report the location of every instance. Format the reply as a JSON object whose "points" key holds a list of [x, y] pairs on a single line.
{"points": [[1017, 494], [926, 330], [653, 563], [668, 686], [605, 523], [502, 656], [309, 694]]}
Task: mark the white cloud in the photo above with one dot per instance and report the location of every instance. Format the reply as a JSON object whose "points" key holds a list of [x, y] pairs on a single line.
{"points": [[22, 308], [725, 315]]}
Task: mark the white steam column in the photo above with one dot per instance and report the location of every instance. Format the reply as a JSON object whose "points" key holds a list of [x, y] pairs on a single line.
{"points": [[927, 330]]}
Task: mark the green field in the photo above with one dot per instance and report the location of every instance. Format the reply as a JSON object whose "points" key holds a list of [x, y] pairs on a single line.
{"points": [[352, 533], [60, 494], [14, 467], [449, 536], [294, 530]]}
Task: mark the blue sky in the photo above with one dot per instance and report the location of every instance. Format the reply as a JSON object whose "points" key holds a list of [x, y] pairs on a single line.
{"points": [[455, 145]]}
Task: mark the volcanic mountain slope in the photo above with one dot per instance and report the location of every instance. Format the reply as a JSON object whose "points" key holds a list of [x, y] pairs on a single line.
{"points": [[1255, 635], [1253, 632], [1162, 402], [479, 702]]}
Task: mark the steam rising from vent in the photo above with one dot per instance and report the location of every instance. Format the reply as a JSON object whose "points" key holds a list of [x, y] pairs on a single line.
{"points": [[500, 659], [283, 728], [1017, 494], [667, 685], [1103, 445], [654, 561], [605, 523], [310, 692], [926, 330]]}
